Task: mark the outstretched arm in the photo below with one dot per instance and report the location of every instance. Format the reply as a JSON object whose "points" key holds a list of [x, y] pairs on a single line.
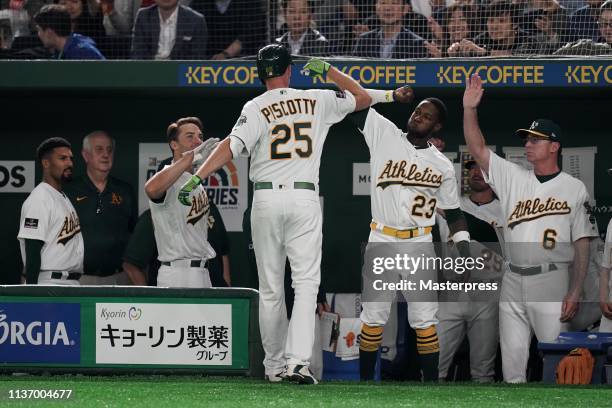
{"points": [[404, 94], [156, 186], [471, 130], [219, 157]]}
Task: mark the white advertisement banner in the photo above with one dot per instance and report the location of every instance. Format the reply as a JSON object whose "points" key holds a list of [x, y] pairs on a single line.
{"points": [[227, 187], [147, 333], [361, 179], [17, 176]]}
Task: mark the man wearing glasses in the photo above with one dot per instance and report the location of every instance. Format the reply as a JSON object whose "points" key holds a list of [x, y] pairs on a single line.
{"points": [[547, 225]]}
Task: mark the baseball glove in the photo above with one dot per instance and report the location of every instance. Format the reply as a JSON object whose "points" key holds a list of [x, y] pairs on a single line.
{"points": [[576, 367]]}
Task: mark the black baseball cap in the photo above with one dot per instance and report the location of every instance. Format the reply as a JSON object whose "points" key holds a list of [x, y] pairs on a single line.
{"points": [[542, 128]]}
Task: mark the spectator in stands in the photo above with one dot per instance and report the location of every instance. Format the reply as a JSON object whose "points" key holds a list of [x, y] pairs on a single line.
{"points": [[392, 39], [168, 30], [589, 47], [300, 38], [428, 8], [426, 28], [82, 22], [584, 21], [548, 27], [502, 37], [53, 26], [335, 20], [605, 22], [458, 25], [107, 211], [235, 27], [119, 15], [14, 22]]}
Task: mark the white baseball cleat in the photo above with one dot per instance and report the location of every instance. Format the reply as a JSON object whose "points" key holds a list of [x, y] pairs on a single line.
{"points": [[301, 374]]}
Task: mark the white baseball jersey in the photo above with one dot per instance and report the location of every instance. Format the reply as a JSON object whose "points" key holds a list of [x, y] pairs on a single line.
{"points": [[552, 214], [181, 232], [48, 215], [408, 184], [489, 213], [606, 261], [283, 130]]}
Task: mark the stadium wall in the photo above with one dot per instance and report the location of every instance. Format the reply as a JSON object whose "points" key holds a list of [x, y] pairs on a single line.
{"points": [[135, 102]]}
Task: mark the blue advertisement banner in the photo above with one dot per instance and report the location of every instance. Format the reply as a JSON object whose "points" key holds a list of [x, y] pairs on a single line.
{"points": [[431, 74], [40, 333]]}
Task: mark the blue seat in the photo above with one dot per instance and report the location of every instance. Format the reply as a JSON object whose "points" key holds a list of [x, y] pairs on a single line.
{"points": [[597, 343]]}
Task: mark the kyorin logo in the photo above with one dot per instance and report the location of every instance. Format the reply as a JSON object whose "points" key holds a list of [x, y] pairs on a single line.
{"points": [[134, 313]]}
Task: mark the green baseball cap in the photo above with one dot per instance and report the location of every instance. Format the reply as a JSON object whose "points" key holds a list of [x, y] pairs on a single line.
{"points": [[542, 128]]}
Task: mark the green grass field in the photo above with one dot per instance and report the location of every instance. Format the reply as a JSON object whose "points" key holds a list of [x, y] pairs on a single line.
{"points": [[178, 391]]}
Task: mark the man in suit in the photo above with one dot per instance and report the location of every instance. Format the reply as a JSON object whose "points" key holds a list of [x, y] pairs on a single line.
{"points": [[167, 30], [391, 39], [300, 38]]}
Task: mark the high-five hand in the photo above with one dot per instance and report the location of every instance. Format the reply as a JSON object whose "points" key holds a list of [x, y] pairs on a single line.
{"points": [[473, 92]]}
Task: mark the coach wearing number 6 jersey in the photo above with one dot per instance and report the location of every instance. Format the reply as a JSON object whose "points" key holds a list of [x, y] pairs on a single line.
{"points": [[546, 225]]}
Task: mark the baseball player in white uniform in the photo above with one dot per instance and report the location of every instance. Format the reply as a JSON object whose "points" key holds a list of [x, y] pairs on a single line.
{"points": [[283, 130], [546, 226], [410, 180], [463, 313], [605, 284], [181, 232], [49, 230]]}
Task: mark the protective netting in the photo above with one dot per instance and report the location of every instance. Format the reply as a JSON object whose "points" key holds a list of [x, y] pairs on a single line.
{"points": [[378, 29]]}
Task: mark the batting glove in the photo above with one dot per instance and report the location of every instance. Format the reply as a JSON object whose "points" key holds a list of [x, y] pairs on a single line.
{"points": [[316, 68], [187, 188]]}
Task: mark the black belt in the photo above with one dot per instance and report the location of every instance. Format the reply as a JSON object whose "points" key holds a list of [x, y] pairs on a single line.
{"points": [[268, 185], [195, 263], [531, 270], [71, 275]]}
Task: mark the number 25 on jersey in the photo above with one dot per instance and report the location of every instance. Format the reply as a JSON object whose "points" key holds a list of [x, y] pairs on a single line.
{"points": [[283, 133]]}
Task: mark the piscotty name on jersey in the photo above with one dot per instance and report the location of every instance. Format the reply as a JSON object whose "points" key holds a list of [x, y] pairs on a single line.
{"points": [[529, 210], [289, 107], [395, 172], [70, 228], [199, 207]]}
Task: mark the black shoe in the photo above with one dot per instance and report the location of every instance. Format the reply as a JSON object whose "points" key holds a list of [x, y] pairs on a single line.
{"points": [[301, 374]]}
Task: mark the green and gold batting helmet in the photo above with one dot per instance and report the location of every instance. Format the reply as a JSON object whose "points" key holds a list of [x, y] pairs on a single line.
{"points": [[272, 61]]}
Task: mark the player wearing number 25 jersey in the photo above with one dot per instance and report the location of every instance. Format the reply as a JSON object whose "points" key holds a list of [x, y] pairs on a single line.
{"points": [[283, 130]]}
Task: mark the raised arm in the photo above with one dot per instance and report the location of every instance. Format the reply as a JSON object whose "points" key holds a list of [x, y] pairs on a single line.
{"points": [[471, 130], [317, 67]]}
